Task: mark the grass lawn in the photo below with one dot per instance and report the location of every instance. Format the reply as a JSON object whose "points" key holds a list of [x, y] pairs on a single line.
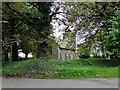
{"points": [[81, 68]]}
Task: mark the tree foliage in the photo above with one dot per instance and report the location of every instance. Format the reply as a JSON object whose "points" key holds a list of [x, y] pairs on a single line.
{"points": [[90, 20], [27, 23], [111, 36]]}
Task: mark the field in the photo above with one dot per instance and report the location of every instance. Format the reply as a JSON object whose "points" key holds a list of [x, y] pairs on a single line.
{"points": [[74, 69]]}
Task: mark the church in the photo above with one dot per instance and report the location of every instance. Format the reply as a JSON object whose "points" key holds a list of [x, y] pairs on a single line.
{"points": [[63, 52]]}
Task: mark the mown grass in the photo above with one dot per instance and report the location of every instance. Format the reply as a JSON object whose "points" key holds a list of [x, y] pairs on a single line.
{"points": [[80, 68]]}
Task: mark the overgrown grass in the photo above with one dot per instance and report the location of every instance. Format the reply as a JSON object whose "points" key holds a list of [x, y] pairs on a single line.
{"points": [[80, 68]]}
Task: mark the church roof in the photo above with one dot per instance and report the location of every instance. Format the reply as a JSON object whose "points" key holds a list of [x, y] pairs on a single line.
{"points": [[65, 45]]}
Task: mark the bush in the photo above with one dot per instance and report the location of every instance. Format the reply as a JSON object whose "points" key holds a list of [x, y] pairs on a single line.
{"points": [[84, 56]]}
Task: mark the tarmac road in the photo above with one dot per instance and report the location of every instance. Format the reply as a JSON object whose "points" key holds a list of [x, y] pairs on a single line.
{"points": [[60, 83]]}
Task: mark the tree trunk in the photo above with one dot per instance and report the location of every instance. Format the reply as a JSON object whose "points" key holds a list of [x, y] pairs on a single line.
{"points": [[26, 55], [42, 49], [14, 52], [6, 55]]}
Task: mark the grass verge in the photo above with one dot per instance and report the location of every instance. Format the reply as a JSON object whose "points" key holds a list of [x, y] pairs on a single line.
{"points": [[81, 68]]}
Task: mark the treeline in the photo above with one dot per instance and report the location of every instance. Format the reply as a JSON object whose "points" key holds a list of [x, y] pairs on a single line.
{"points": [[98, 24], [27, 26]]}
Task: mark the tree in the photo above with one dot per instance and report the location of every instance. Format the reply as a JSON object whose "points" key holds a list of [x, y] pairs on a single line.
{"points": [[111, 36], [43, 28], [9, 32], [90, 20], [89, 17], [84, 50], [27, 40], [22, 15]]}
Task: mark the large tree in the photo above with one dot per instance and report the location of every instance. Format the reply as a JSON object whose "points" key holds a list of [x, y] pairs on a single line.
{"points": [[9, 31], [22, 20], [90, 20], [111, 39]]}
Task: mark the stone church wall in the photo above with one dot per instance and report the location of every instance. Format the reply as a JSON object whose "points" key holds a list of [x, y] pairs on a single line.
{"points": [[64, 54]]}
